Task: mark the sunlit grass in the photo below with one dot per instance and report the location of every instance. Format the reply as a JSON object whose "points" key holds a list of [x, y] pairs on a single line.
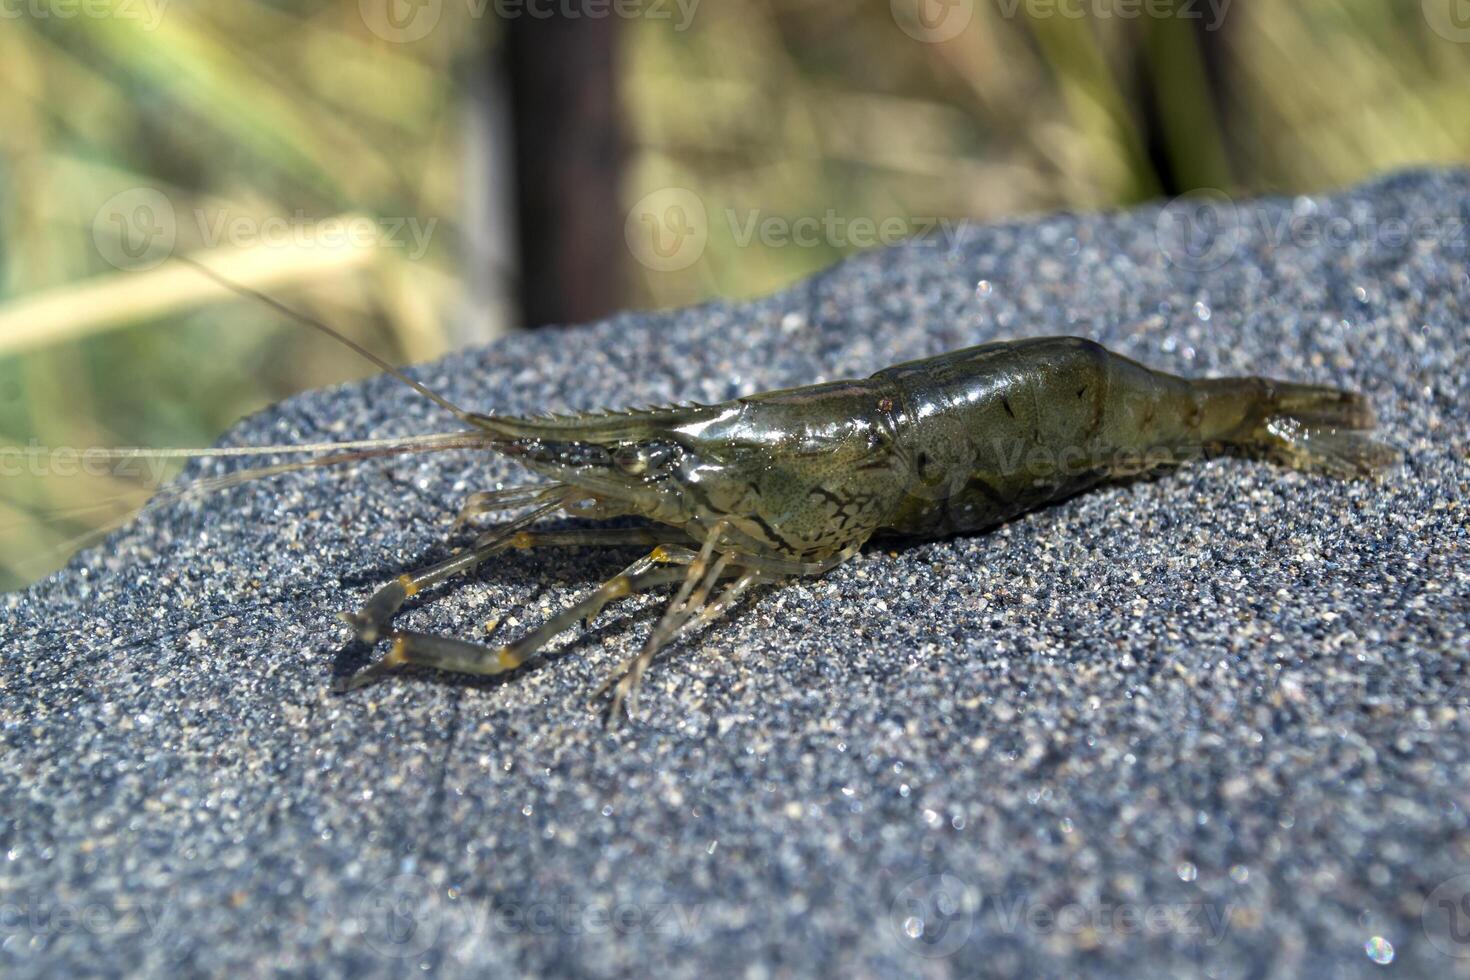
{"points": [[233, 115]]}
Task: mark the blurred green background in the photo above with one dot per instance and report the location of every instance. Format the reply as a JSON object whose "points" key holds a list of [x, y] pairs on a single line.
{"points": [[351, 157]]}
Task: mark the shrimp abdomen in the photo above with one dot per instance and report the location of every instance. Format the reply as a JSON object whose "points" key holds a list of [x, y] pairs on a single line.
{"points": [[996, 430]]}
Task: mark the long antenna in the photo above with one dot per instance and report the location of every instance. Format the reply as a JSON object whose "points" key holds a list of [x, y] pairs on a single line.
{"points": [[434, 440], [332, 332]]}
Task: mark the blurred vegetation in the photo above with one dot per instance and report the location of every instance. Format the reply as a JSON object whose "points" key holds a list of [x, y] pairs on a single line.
{"points": [[784, 108]]}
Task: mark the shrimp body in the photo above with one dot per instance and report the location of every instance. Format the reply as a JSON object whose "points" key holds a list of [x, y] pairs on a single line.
{"points": [[948, 444], [794, 482]]}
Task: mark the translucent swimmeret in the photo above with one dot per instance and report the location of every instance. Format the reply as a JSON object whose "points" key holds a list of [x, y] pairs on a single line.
{"points": [[795, 482]]}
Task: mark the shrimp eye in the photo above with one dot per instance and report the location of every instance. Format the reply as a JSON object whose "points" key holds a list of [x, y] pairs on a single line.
{"points": [[631, 459], [638, 460]]}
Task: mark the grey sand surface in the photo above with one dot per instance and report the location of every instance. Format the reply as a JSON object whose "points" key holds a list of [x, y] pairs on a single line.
{"points": [[1212, 723]]}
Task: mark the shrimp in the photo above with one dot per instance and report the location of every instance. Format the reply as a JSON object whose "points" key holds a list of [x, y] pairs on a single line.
{"points": [[794, 482]]}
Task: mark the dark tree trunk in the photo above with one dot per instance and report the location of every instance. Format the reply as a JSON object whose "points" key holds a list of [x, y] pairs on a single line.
{"points": [[1183, 101], [568, 155]]}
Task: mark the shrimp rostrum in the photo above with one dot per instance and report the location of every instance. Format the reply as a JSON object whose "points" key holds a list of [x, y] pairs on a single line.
{"points": [[795, 482]]}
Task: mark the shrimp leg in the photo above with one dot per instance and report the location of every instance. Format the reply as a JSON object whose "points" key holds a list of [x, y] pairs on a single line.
{"points": [[629, 675], [370, 620], [690, 600], [464, 656], [381, 607], [688, 609], [495, 501]]}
